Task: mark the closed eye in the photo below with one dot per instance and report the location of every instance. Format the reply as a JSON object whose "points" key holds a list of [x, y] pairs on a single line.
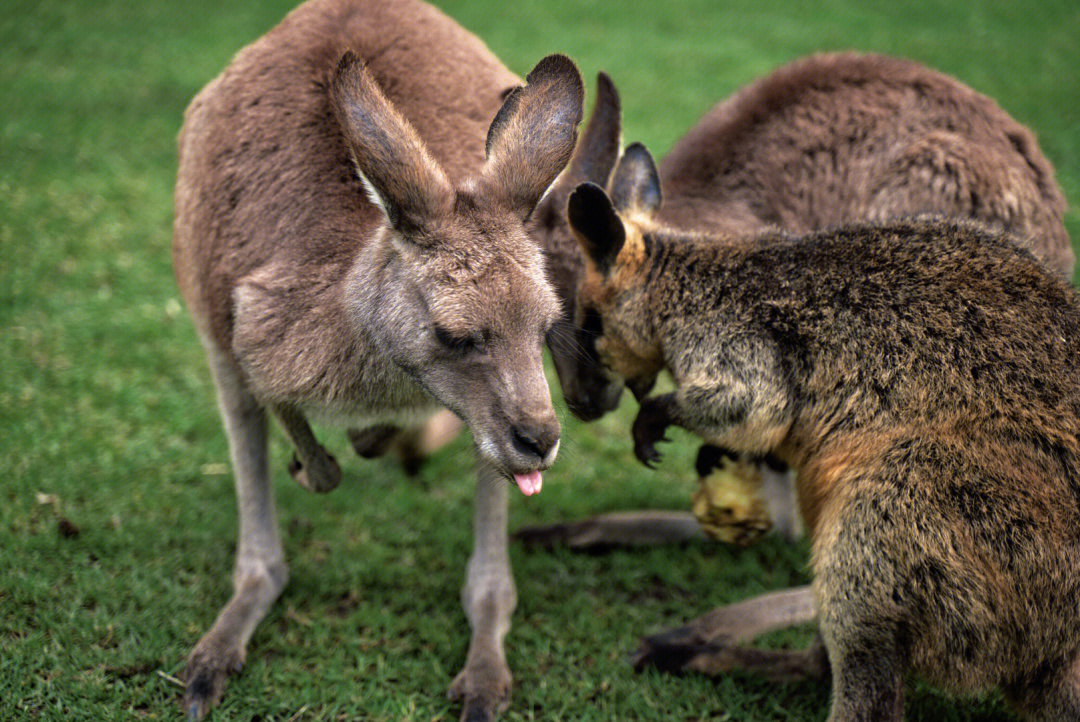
{"points": [[461, 344]]}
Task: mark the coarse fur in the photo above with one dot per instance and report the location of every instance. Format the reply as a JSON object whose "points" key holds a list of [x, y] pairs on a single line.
{"points": [[829, 139], [920, 375], [879, 138], [350, 238]]}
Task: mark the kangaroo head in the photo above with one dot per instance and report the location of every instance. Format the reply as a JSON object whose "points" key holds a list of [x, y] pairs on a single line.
{"points": [[454, 290], [593, 160], [617, 336]]}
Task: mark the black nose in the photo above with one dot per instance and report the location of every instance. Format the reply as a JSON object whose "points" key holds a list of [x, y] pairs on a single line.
{"points": [[535, 439], [585, 408]]}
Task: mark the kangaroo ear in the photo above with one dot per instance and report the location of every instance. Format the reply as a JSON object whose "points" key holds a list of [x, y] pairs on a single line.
{"points": [[600, 143], [399, 174], [596, 225], [635, 187], [533, 135]]}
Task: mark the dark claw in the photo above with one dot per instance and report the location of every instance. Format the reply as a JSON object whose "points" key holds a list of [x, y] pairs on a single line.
{"points": [[199, 695], [647, 455]]}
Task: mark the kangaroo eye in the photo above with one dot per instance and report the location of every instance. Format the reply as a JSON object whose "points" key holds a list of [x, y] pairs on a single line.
{"points": [[461, 344]]}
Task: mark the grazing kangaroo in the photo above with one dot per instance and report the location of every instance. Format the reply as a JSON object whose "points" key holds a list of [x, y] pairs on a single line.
{"points": [[921, 376], [352, 246], [830, 139]]}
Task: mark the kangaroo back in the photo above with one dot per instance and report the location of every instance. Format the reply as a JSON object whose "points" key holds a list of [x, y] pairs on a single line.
{"points": [[263, 170], [841, 137]]}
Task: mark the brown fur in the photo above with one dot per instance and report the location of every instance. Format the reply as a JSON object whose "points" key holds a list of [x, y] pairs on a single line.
{"points": [[594, 158], [925, 373], [287, 117], [830, 139], [877, 138], [350, 238]]}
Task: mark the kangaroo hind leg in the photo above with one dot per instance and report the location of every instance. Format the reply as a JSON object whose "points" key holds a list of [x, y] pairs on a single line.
{"points": [[261, 572]]}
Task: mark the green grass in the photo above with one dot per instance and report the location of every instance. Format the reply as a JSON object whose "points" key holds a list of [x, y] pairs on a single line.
{"points": [[108, 418]]}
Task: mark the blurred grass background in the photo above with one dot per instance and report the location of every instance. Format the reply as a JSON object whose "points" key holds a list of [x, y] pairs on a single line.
{"points": [[117, 519]]}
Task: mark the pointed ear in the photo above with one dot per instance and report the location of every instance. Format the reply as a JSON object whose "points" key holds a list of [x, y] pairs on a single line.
{"points": [[596, 225], [600, 143], [399, 174], [635, 186], [533, 135]]}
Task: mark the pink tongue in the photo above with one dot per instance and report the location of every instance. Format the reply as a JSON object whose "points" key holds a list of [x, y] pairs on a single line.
{"points": [[529, 483]]}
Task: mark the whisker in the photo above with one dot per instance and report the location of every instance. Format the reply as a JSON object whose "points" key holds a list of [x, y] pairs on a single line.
{"points": [[563, 338]]}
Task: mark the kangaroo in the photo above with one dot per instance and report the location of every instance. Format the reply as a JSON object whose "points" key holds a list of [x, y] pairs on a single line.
{"points": [[352, 247], [920, 375], [829, 139]]}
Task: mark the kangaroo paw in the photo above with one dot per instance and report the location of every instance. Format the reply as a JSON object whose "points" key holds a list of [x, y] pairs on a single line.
{"points": [[321, 482], [484, 690], [207, 671], [650, 425]]}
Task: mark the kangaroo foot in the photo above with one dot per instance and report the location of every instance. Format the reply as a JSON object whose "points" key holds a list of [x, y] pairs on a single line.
{"points": [[208, 669], [484, 688], [673, 652]]}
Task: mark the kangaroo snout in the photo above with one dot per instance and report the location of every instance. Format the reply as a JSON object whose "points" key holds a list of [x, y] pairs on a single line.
{"points": [[539, 438]]}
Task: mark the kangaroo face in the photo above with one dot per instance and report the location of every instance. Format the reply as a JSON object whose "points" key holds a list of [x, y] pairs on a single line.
{"points": [[616, 344], [611, 315], [588, 389], [457, 296], [468, 322]]}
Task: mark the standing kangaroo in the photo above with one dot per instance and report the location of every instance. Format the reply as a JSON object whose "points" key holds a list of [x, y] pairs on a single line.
{"points": [[351, 247], [922, 378], [830, 139]]}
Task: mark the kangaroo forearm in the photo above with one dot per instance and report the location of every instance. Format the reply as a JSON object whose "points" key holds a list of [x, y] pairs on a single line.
{"points": [[710, 411]]}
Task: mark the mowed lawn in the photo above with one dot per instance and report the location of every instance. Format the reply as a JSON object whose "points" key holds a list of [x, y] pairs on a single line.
{"points": [[117, 518]]}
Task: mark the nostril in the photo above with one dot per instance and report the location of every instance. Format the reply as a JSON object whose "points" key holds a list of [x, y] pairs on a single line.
{"points": [[533, 440]]}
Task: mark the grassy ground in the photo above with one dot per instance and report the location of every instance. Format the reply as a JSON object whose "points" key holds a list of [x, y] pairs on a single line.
{"points": [[116, 514]]}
